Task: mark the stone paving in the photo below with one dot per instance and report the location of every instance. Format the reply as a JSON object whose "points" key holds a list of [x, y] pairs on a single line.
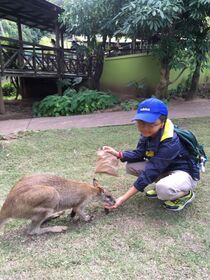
{"points": [[177, 109]]}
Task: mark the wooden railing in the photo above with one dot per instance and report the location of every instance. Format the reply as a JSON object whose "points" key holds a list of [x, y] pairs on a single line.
{"points": [[129, 48], [28, 59]]}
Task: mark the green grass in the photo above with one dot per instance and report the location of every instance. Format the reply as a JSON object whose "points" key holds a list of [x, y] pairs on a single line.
{"points": [[140, 240]]}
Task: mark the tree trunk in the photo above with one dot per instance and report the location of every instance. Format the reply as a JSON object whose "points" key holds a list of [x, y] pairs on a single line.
{"points": [[162, 88], [104, 42], [2, 108], [16, 83], [98, 67], [133, 45], [195, 81]]}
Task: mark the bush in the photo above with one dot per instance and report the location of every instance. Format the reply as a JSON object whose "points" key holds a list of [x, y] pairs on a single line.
{"points": [[129, 105], [8, 89], [73, 102]]}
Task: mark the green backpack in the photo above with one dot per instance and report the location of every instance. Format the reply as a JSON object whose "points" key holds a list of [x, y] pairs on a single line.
{"points": [[195, 149]]}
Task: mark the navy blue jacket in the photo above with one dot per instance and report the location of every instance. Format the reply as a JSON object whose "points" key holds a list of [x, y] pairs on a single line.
{"points": [[163, 153]]}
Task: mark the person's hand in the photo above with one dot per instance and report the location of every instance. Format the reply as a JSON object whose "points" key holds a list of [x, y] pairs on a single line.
{"points": [[122, 199], [119, 201], [110, 150]]}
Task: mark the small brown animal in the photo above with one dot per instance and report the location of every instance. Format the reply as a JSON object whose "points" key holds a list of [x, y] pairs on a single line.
{"points": [[40, 197]]}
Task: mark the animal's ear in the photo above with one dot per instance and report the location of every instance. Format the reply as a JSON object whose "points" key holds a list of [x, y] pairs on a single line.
{"points": [[101, 189], [97, 185], [95, 182]]}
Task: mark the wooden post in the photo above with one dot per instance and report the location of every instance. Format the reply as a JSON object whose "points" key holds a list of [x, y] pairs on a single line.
{"points": [[62, 53], [62, 40], [2, 107], [1, 61], [57, 39], [34, 59], [20, 38], [23, 88], [58, 57]]}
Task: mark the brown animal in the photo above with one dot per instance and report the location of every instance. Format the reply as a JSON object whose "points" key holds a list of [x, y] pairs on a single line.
{"points": [[40, 197]]}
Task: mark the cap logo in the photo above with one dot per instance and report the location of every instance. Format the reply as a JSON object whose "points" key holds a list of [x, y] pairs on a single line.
{"points": [[145, 109]]}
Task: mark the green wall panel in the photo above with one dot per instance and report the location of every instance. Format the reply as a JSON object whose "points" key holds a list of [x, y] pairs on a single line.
{"points": [[123, 69], [119, 71]]}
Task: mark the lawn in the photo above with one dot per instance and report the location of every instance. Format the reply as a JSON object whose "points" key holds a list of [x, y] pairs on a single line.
{"points": [[140, 240]]}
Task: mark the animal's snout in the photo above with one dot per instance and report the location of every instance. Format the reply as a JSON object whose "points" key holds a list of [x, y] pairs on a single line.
{"points": [[106, 197], [110, 200]]}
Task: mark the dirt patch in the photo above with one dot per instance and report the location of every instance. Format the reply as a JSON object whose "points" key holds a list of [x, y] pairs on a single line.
{"points": [[17, 109], [22, 109]]}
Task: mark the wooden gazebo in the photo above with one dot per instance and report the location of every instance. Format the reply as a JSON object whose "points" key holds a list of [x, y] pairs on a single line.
{"points": [[35, 63]]}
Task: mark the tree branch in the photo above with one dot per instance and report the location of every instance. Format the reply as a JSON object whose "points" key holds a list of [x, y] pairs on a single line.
{"points": [[171, 82]]}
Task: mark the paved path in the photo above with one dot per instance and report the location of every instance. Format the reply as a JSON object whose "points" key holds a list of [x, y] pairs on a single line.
{"points": [[177, 109]]}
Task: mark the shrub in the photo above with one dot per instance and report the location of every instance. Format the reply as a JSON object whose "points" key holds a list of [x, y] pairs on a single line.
{"points": [[8, 89], [129, 105], [73, 102]]}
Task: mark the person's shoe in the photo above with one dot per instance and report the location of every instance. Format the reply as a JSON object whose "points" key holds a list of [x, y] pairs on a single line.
{"points": [[180, 203], [151, 194]]}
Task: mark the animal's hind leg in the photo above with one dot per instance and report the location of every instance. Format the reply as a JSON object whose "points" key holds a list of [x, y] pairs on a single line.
{"points": [[39, 218], [53, 216]]}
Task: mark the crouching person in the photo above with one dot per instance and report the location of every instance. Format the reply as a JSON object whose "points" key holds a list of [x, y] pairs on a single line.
{"points": [[159, 157]]}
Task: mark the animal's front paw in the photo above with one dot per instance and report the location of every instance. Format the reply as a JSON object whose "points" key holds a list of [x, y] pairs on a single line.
{"points": [[91, 218], [59, 228], [106, 210], [88, 218], [73, 214]]}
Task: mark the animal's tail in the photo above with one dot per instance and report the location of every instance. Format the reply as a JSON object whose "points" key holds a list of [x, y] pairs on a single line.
{"points": [[3, 218]]}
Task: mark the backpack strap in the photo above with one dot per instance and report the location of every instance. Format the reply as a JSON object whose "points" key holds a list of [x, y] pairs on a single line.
{"points": [[168, 131]]}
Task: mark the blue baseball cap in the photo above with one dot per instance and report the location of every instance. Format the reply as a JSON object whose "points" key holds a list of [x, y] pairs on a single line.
{"points": [[150, 110]]}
